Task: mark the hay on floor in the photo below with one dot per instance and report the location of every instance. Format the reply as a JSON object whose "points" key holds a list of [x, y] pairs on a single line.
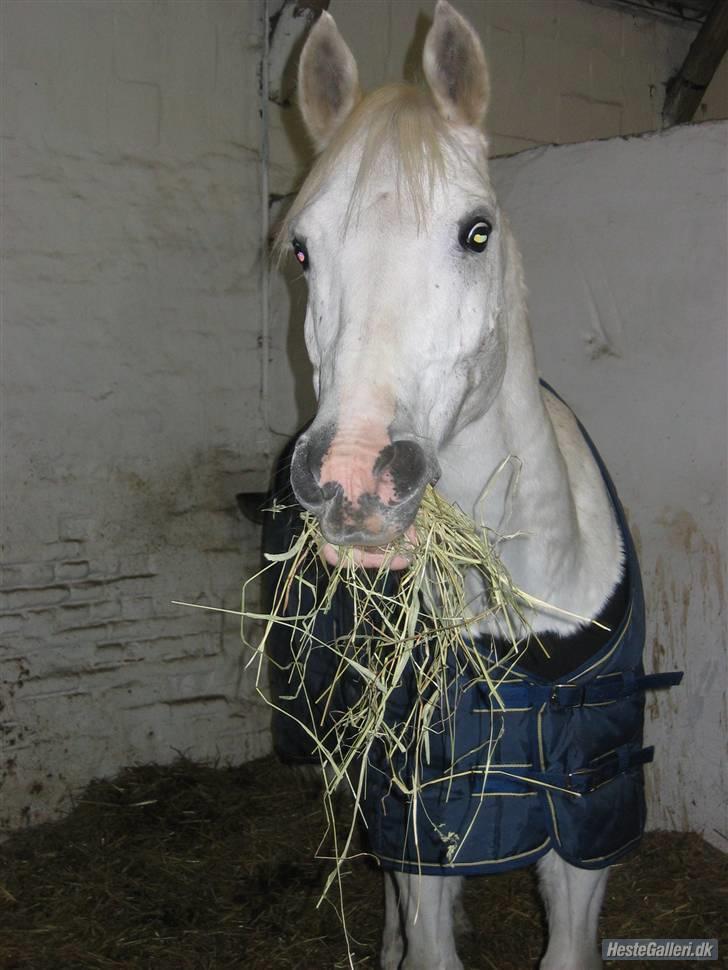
{"points": [[196, 868]]}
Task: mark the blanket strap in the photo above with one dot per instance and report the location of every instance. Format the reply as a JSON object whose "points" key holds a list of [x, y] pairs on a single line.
{"points": [[610, 688], [580, 781]]}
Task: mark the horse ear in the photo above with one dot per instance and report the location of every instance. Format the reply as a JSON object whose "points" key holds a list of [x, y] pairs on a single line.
{"points": [[328, 81], [454, 65]]}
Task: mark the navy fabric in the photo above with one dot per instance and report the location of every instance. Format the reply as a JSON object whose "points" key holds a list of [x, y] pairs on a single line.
{"points": [[564, 760]]}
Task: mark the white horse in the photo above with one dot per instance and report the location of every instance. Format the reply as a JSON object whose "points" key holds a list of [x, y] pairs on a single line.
{"points": [[418, 334]]}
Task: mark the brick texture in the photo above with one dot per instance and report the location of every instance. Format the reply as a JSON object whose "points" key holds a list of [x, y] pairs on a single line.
{"points": [[131, 395]]}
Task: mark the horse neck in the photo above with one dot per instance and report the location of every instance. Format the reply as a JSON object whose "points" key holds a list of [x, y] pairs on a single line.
{"points": [[566, 558]]}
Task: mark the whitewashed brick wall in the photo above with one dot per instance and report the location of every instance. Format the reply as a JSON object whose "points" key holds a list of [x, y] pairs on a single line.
{"points": [[131, 388]]}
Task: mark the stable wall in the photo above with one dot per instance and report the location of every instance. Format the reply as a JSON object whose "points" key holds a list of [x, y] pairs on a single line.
{"points": [[131, 388]]}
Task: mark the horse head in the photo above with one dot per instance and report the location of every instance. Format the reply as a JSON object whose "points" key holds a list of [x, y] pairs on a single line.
{"points": [[405, 252]]}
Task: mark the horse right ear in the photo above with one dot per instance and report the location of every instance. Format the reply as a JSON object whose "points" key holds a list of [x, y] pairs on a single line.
{"points": [[455, 68], [328, 80]]}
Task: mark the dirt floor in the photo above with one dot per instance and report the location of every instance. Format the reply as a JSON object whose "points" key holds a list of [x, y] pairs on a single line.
{"points": [[194, 868]]}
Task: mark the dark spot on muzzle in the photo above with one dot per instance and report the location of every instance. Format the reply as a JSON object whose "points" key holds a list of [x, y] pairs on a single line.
{"points": [[407, 463]]}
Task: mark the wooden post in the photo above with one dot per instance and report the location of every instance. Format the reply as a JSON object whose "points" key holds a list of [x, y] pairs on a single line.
{"points": [[686, 89]]}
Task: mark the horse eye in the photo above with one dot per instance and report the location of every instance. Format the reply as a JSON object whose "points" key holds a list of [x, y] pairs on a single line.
{"points": [[301, 253], [474, 236]]}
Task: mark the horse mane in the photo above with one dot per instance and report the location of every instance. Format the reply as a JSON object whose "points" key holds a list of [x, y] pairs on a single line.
{"points": [[398, 125]]}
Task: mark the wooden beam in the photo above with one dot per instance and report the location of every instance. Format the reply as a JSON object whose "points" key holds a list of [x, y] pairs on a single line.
{"points": [[686, 89]]}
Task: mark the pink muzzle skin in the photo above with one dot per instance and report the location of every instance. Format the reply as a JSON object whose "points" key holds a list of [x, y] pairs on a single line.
{"points": [[351, 461], [372, 557]]}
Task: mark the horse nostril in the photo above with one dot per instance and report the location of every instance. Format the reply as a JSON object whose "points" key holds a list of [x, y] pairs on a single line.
{"points": [[330, 490], [407, 465], [303, 480]]}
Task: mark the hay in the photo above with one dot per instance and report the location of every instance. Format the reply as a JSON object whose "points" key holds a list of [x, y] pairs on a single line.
{"points": [[424, 625], [187, 867]]}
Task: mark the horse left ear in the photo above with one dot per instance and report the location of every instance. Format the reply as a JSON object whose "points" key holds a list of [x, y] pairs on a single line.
{"points": [[328, 80], [455, 68]]}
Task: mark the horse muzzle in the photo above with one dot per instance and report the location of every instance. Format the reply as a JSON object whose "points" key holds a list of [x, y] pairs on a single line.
{"points": [[362, 496]]}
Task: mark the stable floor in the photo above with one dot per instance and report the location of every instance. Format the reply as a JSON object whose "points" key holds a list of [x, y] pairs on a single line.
{"points": [[191, 868]]}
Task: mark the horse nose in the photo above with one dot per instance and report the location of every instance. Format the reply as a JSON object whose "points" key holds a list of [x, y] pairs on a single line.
{"points": [[360, 497]]}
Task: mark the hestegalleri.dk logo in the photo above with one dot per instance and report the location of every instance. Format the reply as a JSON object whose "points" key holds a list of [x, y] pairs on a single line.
{"points": [[613, 949]]}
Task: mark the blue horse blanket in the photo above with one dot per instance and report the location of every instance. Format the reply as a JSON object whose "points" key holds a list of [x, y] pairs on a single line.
{"points": [[555, 763]]}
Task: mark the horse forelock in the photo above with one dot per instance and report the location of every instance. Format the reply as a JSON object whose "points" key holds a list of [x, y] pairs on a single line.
{"points": [[397, 127]]}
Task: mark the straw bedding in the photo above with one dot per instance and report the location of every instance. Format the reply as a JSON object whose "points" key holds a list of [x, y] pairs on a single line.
{"points": [[188, 867]]}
